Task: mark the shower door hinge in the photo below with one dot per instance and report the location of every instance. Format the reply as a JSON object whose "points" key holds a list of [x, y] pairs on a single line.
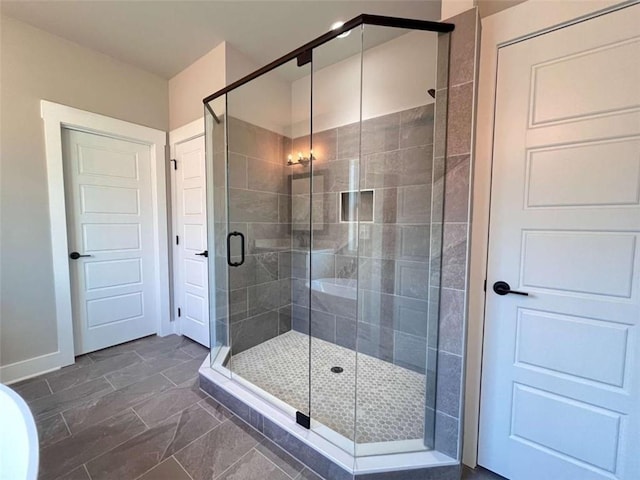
{"points": [[179, 312], [178, 243], [485, 285], [303, 420], [175, 163]]}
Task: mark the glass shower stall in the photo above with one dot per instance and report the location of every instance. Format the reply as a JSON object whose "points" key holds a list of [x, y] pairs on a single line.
{"points": [[325, 196]]}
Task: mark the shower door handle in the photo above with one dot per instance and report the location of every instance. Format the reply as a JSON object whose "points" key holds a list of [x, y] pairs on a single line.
{"points": [[229, 262]]}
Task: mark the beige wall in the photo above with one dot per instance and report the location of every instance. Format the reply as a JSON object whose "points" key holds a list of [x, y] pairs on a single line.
{"points": [[36, 65], [190, 86]]}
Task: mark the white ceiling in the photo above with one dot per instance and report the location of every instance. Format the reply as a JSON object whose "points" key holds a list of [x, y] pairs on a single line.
{"points": [[164, 37]]}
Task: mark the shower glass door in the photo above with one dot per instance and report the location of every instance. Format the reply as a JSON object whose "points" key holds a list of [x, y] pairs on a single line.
{"points": [[263, 258]]}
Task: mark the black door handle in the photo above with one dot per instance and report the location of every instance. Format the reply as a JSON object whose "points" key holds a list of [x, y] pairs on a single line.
{"points": [[204, 254], [503, 288], [229, 262], [76, 255]]}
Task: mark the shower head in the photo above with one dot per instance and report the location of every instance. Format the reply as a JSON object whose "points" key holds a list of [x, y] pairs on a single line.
{"points": [[432, 92]]}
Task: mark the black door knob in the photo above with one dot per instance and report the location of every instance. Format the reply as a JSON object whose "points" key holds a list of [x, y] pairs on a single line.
{"points": [[203, 254], [76, 255], [503, 288]]}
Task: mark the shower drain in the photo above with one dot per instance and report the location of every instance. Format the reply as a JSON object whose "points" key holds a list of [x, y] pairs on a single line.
{"points": [[337, 369]]}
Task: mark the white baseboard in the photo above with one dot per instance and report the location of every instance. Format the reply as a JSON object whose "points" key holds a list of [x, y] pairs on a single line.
{"points": [[31, 367]]}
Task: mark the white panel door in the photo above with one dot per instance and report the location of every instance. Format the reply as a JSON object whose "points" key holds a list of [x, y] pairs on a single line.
{"points": [[561, 367], [110, 225], [191, 287]]}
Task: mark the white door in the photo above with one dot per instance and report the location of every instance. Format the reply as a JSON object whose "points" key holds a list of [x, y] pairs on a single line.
{"points": [[191, 276], [110, 225], [561, 367]]}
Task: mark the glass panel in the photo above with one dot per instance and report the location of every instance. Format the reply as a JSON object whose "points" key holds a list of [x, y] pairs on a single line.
{"points": [[334, 239], [216, 159], [266, 186], [394, 401]]}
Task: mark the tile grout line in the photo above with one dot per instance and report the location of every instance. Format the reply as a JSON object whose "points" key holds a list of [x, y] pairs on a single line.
{"points": [[198, 438], [48, 386], [233, 464], [140, 418], [172, 382], [87, 470], [66, 425], [107, 380], [272, 462], [180, 465]]}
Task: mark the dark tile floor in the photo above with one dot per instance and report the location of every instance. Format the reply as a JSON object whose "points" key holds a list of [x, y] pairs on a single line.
{"points": [[479, 473], [135, 411]]}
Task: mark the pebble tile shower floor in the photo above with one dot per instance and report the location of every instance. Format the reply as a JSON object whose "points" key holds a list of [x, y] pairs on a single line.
{"points": [[390, 399], [134, 411]]}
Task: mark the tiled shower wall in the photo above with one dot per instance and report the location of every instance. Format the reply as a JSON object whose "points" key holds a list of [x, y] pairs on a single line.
{"points": [[389, 257], [454, 167], [259, 290]]}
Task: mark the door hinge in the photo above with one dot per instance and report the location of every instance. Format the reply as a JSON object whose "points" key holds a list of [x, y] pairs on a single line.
{"points": [[178, 243], [303, 420], [179, 312], [175, 163]]}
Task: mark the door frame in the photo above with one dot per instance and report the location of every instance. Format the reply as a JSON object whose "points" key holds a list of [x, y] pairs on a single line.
{"points": [[179, 135], [56, 117], [521, 22]]}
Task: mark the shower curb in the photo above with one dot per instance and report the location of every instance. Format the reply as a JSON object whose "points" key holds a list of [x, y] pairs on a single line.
{"points": [[307, 455]]}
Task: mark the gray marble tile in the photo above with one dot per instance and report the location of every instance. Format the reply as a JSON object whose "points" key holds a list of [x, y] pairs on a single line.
{"points": [[284, 208], [378, 275], [64, 456], [170, 469], [183, 372], [433, 319], [456, 201], [381, 134], [213, 453], [451, 321], [140, 370], [349, 141], [338, 176], [160, 346], [299, 292], [51, 430], [238, 304], [263, 298], [256, 420], [375, 341], [254, 330], [214, 409], [267, 237], [479, 473], [304, 453], [446, 434], [252, 206], [195, 350], [459, 119], [347, 266], [32, 389], [398, 168], [237, 171], [449, 379], [435, 271], [454, 256], [346, 332], [282, 459], [403, 242], [410, 352], [463, 48], [325, 145], [411, 204], [334, 305], [226, 399], [440, 128], [322, 265], [285, 291], [284, 319], [254, 466], [416, 126], [142, 452], [99, 409], [266, 176], [300, 318], [71, 397], [442, 75], [307, 474], [79, 473], [406, 314], [93, 371], [323, 326], [412, 279], [437, 206], [157, 408]]}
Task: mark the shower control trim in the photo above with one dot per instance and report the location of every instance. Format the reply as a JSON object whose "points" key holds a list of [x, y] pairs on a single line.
{"points": [[229, 262]]}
